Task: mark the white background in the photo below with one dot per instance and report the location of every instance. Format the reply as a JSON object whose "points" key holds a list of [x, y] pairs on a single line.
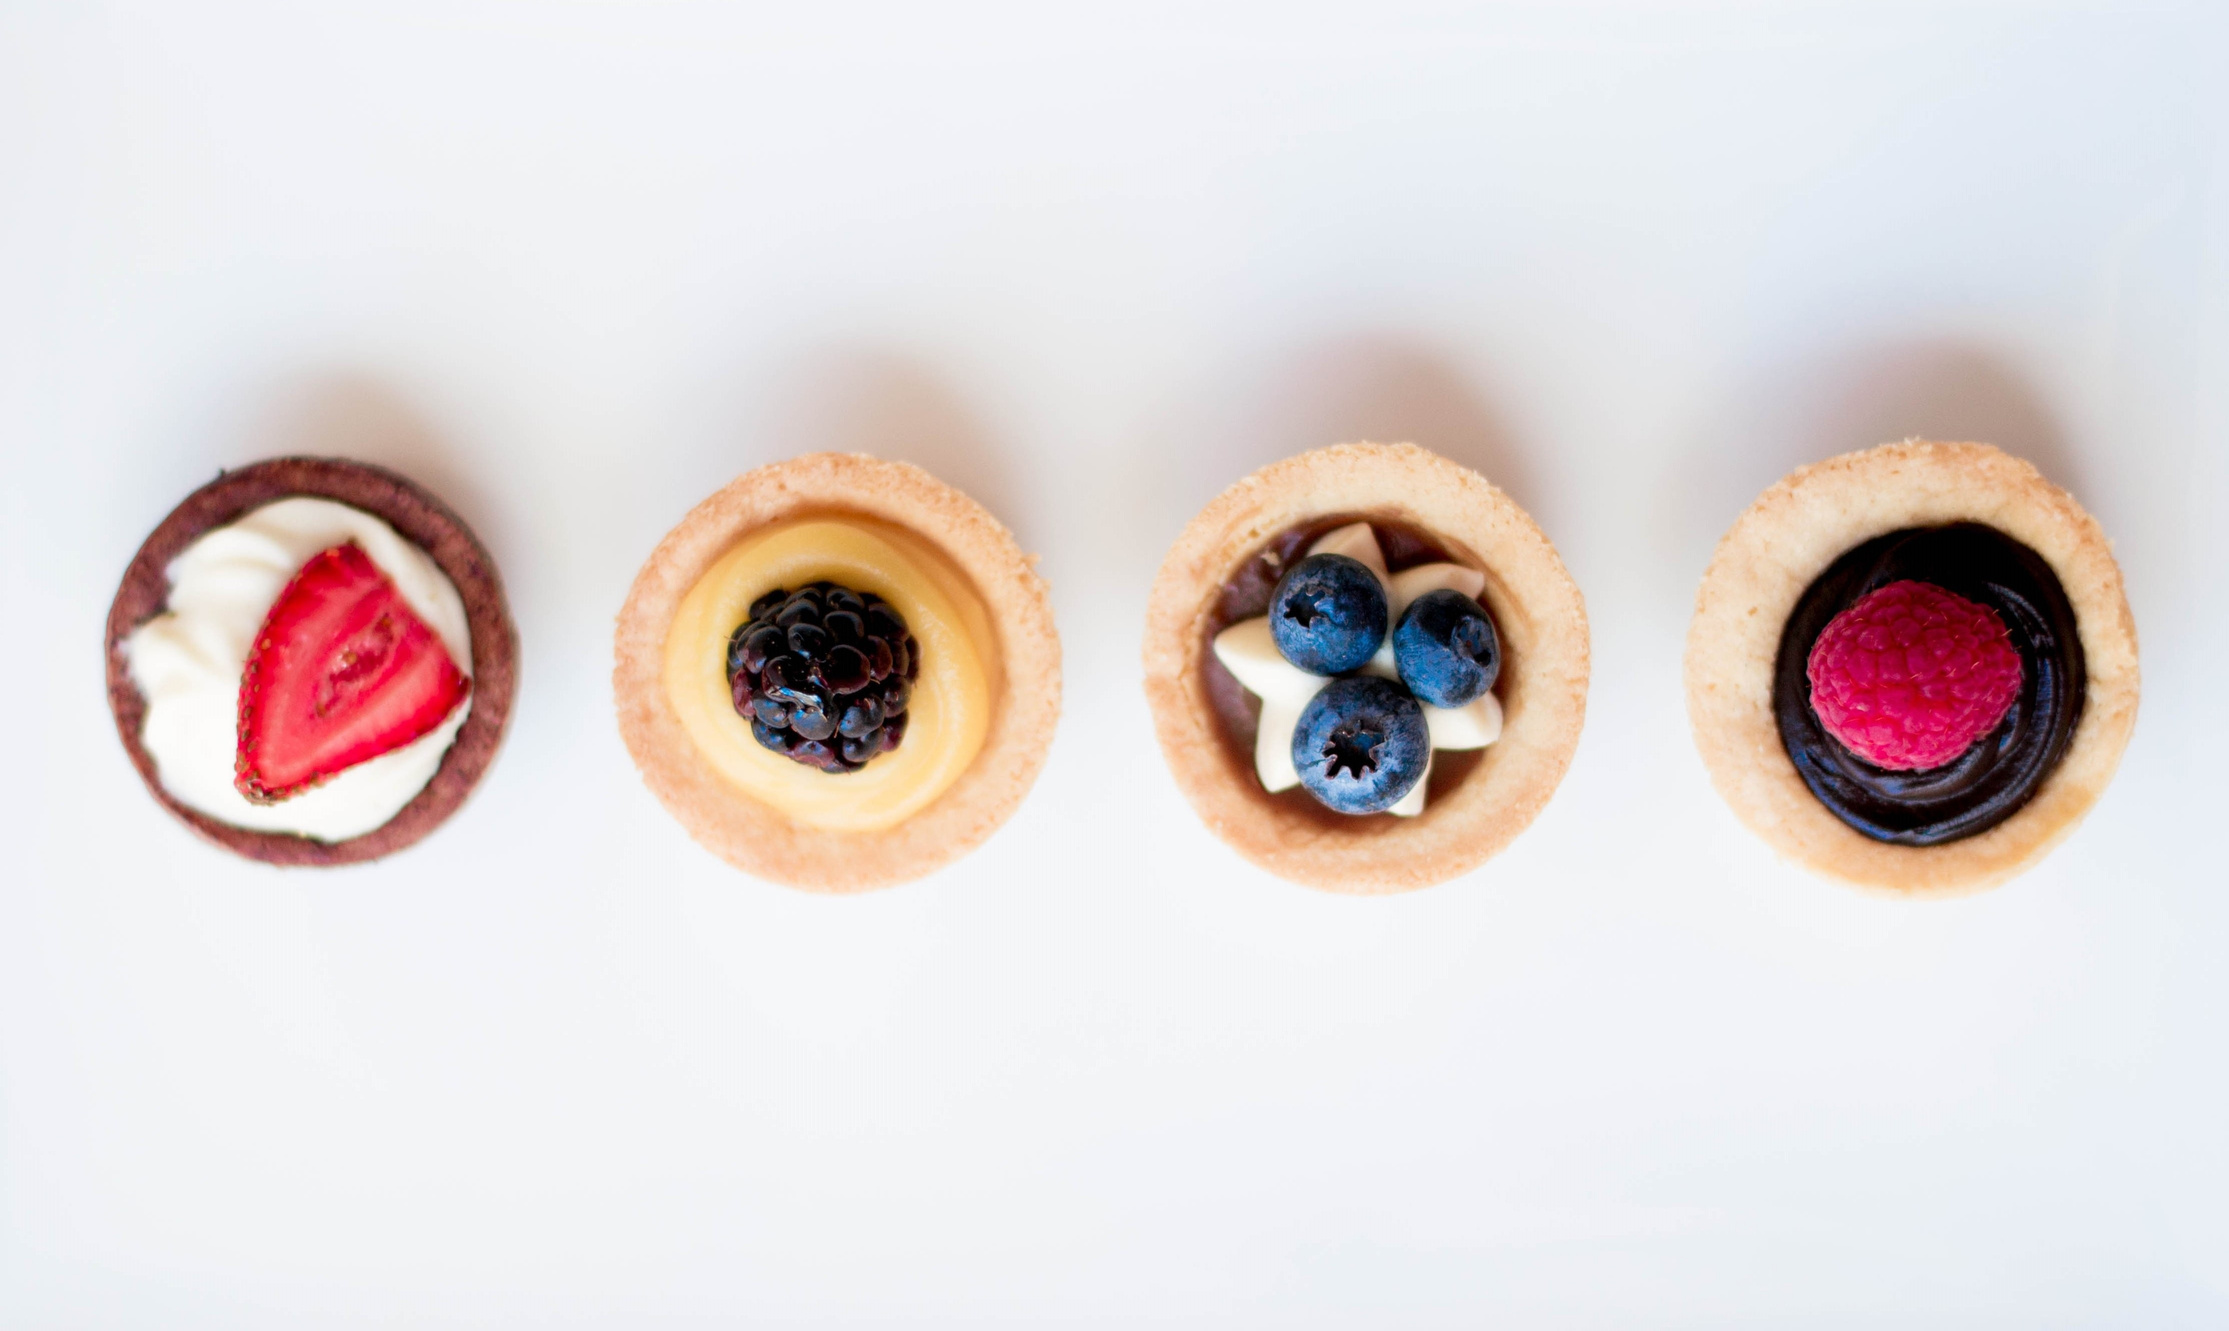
{"points": [[576, 265]]}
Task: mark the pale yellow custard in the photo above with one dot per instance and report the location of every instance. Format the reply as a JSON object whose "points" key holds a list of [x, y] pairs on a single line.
{"points": [[950, 710]]}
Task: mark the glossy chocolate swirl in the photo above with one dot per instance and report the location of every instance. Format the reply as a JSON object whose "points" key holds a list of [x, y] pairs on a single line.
{"points": [[2002, 770]]}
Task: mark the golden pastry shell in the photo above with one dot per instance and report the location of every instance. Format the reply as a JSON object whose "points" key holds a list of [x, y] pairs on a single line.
{"points": [[759, 839], [1536, 607], [1785, 540]]}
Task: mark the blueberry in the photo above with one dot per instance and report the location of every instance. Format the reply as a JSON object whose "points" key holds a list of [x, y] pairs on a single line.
{"points": [[1361, 745], [1445, 649], [1328, 614]]}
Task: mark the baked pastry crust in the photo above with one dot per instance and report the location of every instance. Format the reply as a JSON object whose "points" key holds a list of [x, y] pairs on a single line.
{"points": [[759, 839], [421, 519], [1536, 607], [1785, 540]]}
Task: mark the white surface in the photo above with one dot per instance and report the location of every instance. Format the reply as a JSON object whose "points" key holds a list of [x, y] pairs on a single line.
{"points": [[576, 265]]}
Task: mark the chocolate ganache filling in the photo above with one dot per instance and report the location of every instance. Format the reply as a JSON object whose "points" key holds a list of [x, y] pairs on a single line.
{"points": [[1998, 773]]}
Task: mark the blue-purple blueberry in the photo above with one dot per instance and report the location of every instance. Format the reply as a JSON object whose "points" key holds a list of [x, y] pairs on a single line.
{"points": [[1361, 745], [1328, 614], [1445, 649]]}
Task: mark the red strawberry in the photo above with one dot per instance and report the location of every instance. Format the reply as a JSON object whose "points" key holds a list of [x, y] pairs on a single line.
{"points": [[343, 671]]}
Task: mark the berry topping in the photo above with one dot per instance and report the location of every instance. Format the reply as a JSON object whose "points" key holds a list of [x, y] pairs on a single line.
{"points": [[823, 674], [1328, 614], [342, 671], [1361, 744], [1911, 675], [1445, 649]]}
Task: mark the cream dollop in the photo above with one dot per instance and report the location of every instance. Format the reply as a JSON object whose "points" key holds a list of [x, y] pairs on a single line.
{"points": [[188, 661], [1249, 651]]}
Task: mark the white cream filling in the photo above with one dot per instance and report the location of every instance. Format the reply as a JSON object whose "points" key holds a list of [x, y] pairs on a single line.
{"points": [[188, 662], [1249, 651]]}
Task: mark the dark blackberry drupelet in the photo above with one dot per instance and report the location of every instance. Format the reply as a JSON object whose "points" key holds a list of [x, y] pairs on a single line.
{"points": [[824, 674]]}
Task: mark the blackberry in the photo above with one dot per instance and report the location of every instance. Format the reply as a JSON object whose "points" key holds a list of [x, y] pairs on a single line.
{"points": [[823, 674]]}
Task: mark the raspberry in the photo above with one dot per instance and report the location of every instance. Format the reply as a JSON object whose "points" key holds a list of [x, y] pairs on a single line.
{"points": [[1911, 675]]}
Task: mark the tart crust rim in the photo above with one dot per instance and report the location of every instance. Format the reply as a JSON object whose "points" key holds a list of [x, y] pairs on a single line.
{"points": [[1544, 686], [753, 836], [421, 518], [1784, 540]]}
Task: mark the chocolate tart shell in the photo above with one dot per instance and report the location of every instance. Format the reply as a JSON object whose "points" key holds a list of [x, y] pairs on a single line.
{"points": [[1785, 540], [752, 835], [420, 518], [1536, 607]]}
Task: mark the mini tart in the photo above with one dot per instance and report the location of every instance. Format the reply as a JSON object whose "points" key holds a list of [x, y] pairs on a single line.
{"points": [[1790, 536], [419, 518], [1022, 660], [1537, 610]]}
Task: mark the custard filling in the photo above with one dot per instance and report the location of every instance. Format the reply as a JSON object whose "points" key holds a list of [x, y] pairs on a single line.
{"points": [[950, 709]]}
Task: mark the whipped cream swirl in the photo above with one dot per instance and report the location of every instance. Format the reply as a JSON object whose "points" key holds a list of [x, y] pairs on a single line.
{"points": [[188, 661]]}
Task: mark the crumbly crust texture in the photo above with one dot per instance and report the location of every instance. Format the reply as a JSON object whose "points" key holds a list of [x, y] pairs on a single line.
{"points": [[1543, 688], [759, 839], [421, 519], [1783, 543]]}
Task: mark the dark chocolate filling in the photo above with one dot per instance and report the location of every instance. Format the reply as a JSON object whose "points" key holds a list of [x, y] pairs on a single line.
{"points": [[1245, 595], [2002, 770]]}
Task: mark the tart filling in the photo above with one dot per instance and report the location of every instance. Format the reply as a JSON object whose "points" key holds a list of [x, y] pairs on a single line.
{"points": [[195, 662], [1991, 777], [1351, 748], [949, 706], [1845, 666]]}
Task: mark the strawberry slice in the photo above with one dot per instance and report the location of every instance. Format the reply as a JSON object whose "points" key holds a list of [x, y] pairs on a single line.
{"points": [[343, 671]]}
